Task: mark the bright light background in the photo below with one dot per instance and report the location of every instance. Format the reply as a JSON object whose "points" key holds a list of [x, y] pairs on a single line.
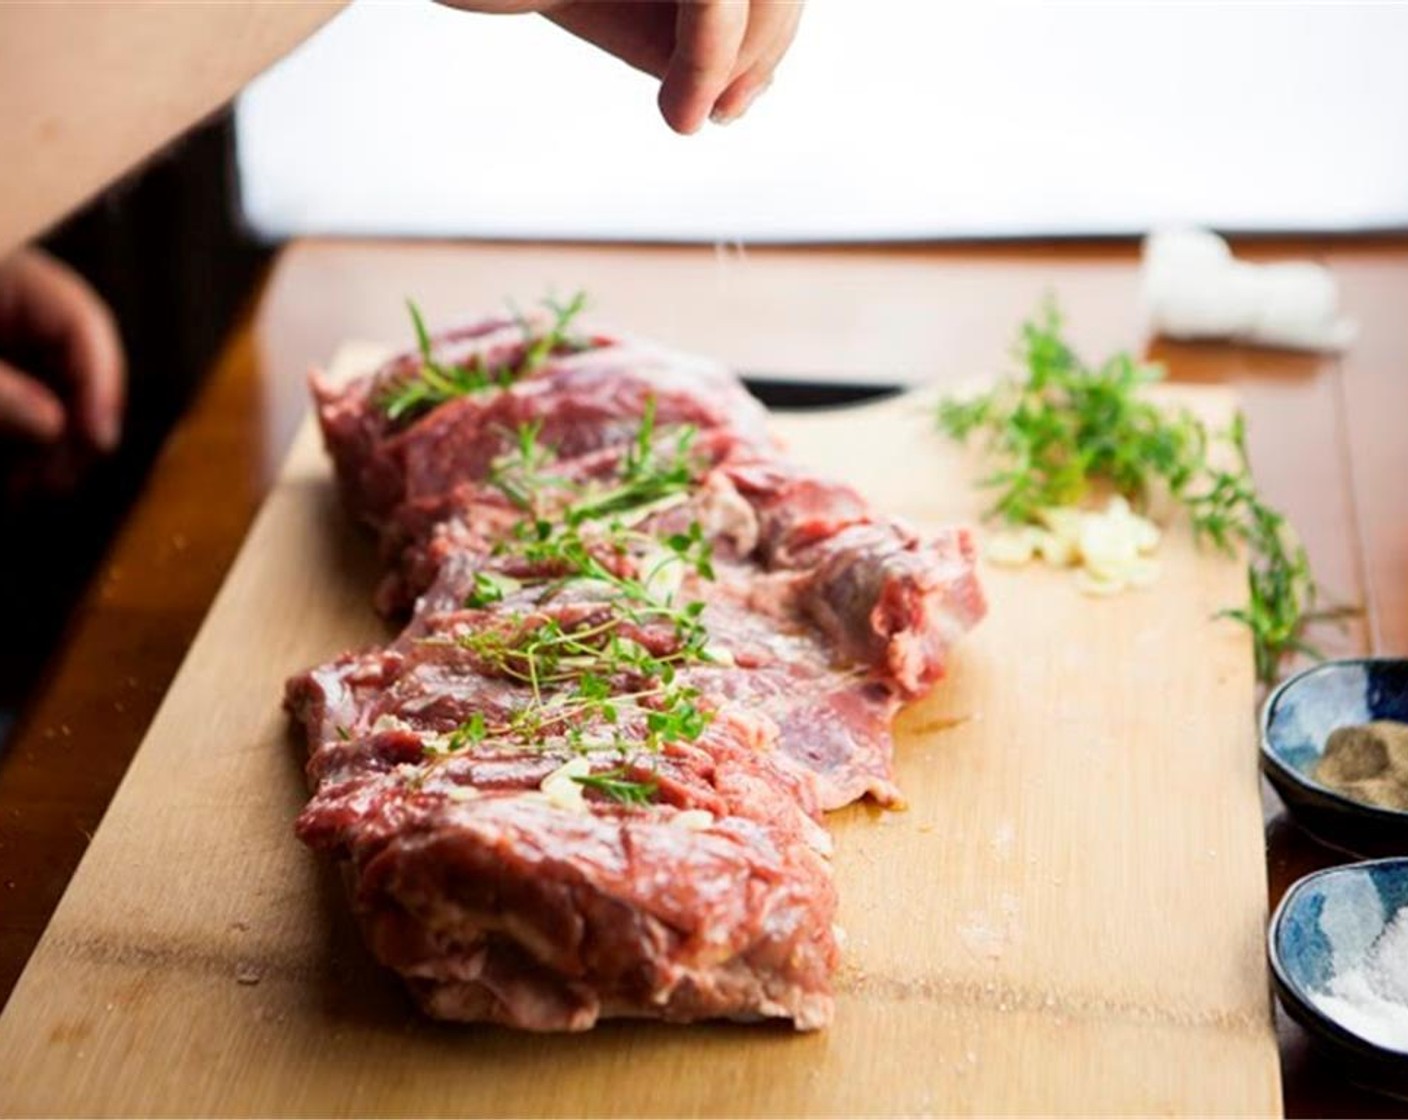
{"points": [[890, 119]]}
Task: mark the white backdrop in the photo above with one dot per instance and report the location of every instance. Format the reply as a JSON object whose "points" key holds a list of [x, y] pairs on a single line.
{"points": [[891, 118]]}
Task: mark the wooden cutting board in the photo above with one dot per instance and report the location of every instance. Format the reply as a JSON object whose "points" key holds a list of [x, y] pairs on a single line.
{"points": [[1068, 919]]}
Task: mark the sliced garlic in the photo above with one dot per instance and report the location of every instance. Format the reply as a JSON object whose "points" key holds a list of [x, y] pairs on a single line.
{"points": [[1057, 550], [720, 655], [1010, 548], [1107, 547], [561, 790], [696, 820], [1110, 546], [388, 722]]}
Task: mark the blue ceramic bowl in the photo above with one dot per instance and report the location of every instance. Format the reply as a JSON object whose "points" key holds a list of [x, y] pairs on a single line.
{"points": [[1295, 724], [1328, 927]]}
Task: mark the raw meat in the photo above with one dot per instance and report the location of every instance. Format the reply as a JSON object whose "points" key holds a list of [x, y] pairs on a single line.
{"points": [[643, 655]]}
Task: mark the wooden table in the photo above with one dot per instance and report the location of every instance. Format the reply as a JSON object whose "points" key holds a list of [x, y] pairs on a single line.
{"points": [[1325, 439]]}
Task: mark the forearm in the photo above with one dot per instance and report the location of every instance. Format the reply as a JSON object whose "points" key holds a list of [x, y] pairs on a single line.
{"points": [[88, 90]]}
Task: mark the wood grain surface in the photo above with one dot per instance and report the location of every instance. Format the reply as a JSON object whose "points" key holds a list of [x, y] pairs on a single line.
{"points": [[1068, 918], [1323, 429]]}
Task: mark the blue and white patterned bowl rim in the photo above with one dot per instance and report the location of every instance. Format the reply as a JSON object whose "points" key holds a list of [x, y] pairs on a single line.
{"points": [[1327, 923], [1299, 716]]}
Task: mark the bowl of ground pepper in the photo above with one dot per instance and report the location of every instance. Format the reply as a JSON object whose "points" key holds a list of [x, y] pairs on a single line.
{"points": [[1334, 744]]}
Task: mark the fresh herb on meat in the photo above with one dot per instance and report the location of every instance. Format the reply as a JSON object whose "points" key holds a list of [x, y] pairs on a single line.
{"points": [[468, 734], [433, 383], [557, 337], [619, 786], [591, 523], [648, 475], [489, 588], [594, 658], [588, 678], [693, 548], [592, 689], [1064, 425]]}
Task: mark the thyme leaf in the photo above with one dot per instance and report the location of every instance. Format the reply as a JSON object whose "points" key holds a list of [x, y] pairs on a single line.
{"points": [[619, 786]]}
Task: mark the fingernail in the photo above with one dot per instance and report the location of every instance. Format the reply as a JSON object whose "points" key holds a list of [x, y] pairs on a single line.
{"points": [[719, 117]]}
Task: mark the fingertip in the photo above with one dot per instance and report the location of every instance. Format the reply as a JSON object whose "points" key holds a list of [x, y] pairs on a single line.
{"points": [[46, 420], [28, 409], [98, 369], [40, 418], [679, 114], [105, 428]]}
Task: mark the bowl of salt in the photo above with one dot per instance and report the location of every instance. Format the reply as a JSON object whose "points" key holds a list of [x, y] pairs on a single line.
{"points": [[1338, 947]]}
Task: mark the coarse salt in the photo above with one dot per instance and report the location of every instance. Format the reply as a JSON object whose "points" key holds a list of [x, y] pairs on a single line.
{"points": [[1370, 996]]}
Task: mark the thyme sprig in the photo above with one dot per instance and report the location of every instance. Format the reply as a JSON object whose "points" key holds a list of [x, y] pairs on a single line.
{"points": [[1062, 426], [1282, 595], [433, 383], [658, 465], [593, 683], [579, 695]]}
